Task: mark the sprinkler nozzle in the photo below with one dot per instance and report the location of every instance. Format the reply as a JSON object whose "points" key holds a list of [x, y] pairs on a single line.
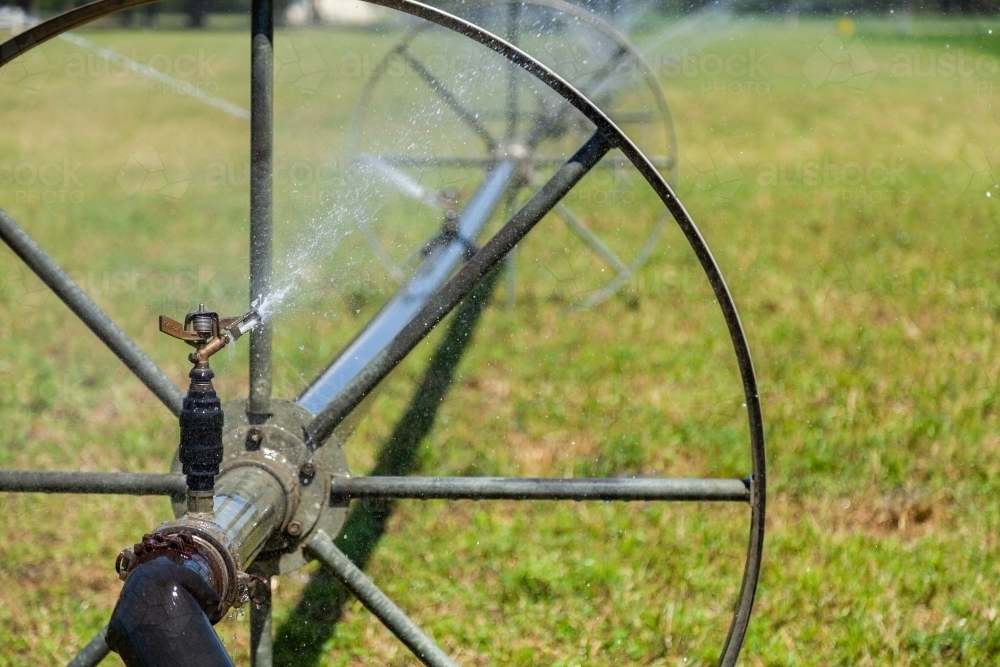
{"points": [[244, 324], [207, 333]]}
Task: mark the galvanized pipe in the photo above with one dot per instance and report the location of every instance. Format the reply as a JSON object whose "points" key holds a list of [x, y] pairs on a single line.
{"points": [[457, 288], [592, 240], [125, 483], [261, 152], [408, 302], [90, 313], [522, 488], [377, 602], [250, 505]]}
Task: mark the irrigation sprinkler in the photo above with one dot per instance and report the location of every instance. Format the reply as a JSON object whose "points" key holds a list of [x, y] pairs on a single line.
{"points": [[260, 485]]}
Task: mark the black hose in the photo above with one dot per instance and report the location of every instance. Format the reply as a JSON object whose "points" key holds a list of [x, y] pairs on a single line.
{"points": [[161, 621]]}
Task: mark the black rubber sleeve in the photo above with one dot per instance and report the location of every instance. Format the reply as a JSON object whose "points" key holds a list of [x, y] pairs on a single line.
{"points": [[161, 621]]}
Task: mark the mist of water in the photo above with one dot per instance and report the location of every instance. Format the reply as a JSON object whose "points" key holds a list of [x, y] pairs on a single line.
{"points": [[305, 265]]}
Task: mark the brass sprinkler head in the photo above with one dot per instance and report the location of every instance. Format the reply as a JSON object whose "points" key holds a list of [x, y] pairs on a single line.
{"points": [[207, 333]]}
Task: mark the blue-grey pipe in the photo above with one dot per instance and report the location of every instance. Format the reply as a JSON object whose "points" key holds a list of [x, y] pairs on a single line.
{"points": [[412, 298]]}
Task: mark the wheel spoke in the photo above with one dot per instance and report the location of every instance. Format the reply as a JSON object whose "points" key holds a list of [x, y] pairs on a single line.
{"points": [[602, 77], [261, 639], [377, 602], [452, 293], [125, 483], [93, 653], [90, 313], [610, 162], [592, 240], [403, 181], [640, 258], [306, 629], [598, 80], [511, 35], [449, 98], [261, 111], [521, 488]]}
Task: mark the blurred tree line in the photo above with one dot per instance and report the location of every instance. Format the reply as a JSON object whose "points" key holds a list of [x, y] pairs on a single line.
{"points": [[822, 7], [197, 10]]}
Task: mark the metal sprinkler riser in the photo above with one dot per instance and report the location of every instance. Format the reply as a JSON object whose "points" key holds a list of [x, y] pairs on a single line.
{"points": [[201, 417]]}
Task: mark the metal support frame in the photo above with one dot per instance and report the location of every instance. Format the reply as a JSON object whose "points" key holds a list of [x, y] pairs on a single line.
{"points": [[546, 122], [261, 636], [409, 301], [125, 483], [261, 190], [93, 653], [457, 288], [261, 239], [90, 313], [606, 136], [377, 602], [523, 488]]}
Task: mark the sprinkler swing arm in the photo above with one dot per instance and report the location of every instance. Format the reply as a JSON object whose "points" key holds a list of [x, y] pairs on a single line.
{"points": [[280, 455], [218, 334]]}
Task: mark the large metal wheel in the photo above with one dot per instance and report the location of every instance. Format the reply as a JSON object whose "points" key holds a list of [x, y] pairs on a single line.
{"points": [[305, 433]]}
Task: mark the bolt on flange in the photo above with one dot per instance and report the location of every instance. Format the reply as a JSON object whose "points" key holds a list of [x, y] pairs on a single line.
{"points": [[303, 473]]}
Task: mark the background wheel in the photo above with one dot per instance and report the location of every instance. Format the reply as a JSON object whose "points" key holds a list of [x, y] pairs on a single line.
{"points": [[476, 126]]}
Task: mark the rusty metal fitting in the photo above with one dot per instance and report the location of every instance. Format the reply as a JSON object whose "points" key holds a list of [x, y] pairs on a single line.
{"points": [[198, 543], [215, 550], [257, 588], [307, 472], [253, 440], [181, 544], [152, 545]]}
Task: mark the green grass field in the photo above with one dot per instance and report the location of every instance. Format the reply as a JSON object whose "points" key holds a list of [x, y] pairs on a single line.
{"points": [[845, 177]]}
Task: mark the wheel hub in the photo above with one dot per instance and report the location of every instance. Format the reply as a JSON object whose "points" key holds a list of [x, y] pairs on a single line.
{"points": [[278, 447]]}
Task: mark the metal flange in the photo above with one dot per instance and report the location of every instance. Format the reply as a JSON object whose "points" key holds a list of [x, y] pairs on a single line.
{"points": [[277, 446]]}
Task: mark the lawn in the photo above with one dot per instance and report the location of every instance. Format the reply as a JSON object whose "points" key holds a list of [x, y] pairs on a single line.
{"points": [[844, 174]]}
